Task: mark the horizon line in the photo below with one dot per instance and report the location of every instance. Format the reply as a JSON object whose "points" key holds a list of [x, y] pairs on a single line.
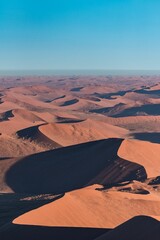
{"points": [[77, 69]]}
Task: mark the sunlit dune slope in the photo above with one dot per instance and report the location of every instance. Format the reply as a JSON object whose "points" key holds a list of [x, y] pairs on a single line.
{"points": [[143, 153], [89, 207], [84, 131]]}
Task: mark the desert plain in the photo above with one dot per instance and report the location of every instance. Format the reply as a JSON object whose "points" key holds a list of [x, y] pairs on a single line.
{"points": [[80, 157]]}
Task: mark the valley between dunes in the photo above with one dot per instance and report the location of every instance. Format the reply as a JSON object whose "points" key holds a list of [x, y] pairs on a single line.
{"points": [[80, 158]]}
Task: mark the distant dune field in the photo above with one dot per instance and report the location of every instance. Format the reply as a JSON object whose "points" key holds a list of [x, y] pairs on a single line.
{"points": [[80, 158]]}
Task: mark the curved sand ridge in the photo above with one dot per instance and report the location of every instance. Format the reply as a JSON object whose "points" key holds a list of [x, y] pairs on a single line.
{"points": [[33, 134], [143, 153], [66, 169], [71, 131], [73, 167], [13, 120], [27, 115], [101, 184], [79, 132], [89, 207]]}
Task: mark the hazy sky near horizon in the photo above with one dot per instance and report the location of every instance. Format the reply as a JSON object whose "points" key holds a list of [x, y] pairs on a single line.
{"points": [[79, 34]]}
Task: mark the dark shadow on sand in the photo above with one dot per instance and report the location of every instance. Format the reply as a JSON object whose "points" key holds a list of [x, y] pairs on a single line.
{"points": [[137, 228], [13, 205], [68, 120], [65, 169], [148, 109], [69, 102], [109, 111], [6, 116], [24, 232], [153, 93], [33, 134], [153, 137], [76, 89], [110, 96]]}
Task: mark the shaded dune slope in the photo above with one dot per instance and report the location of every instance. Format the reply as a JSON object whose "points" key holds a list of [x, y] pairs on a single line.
{"points": [[147, 109], [21, 203], [34, 134], [139, 228], [153, 137], [60, 119], [62, 170], [69, 102], [21, 114], [6, 115], [25, 232]]}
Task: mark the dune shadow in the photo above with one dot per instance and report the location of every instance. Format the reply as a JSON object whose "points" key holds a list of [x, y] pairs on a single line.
{"points": [[76, 89], [108, 186], [148, 109], [109, 111], [65, 169], [60, 97], [69, 102], [13, 205], [110, 96], [95, 99], [4, 158], [26, 232], [149, 92], [119, 110], [139, 228], [33, 134], [5, 116], [68, 120], [153, 137]]}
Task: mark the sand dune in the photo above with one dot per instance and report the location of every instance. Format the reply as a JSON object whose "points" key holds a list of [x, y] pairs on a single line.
{"points": [[33, 134], [11, 146], [73, 167], [143, 153], [69, 165], [21, 204], [66, 168], [68, 131], [73, 133], [108, 168], [27, 115], [89, 207], [22, 114], [147, 109]]}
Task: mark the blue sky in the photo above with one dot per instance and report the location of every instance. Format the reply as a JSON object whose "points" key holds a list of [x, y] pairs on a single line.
{"points": [[79, 34]]}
